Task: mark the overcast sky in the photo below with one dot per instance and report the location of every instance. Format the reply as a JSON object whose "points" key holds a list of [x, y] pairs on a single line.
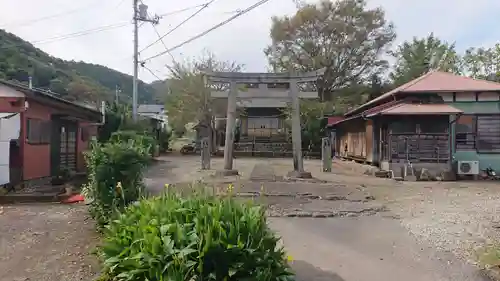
{"points": [[466, 22]]}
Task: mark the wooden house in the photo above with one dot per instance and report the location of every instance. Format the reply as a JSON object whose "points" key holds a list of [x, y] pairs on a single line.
{"points": [[435, 121], [41, 134]]}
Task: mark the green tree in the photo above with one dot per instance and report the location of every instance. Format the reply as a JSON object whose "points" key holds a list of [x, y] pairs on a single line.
{"points": [[345, 37], [421, 55], [188, 98], [483, 63]]}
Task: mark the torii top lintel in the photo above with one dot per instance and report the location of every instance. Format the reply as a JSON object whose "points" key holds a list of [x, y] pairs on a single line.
{"points": [[262, 78]]}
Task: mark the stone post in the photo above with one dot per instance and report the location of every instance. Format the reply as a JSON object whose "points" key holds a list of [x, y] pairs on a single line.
{"points": [[230, 123], [326, 154], [298, 163], [205, 154]]}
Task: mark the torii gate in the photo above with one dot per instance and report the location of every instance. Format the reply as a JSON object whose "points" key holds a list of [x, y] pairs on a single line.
{"points": [[262, 80]]}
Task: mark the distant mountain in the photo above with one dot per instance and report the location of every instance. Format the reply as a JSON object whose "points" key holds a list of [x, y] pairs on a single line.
{"points": [[160, 88], [73, 80]]}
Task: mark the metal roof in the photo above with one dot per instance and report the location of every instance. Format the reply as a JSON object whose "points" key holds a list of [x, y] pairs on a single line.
{"points": [[27, 90], [150, 108], [417, 109], [436, 81]]}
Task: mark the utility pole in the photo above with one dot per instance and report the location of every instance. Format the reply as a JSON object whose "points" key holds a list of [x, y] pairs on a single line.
{"points": [[140, 14], [117, 93]]}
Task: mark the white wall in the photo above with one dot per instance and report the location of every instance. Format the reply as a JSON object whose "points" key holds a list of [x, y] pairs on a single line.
{"points": [[9, 129]]}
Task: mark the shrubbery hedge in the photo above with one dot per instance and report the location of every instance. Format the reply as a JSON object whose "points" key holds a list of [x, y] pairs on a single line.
{"points": [[114, 177]]}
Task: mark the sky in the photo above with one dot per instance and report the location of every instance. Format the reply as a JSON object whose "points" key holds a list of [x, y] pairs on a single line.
{"points": [[465, 22]]}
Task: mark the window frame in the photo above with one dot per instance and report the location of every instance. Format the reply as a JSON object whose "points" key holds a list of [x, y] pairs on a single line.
{"points": [[44, 133], [476, 135], [473, 133]]}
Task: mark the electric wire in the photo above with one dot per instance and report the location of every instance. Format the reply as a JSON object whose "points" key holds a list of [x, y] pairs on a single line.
{"points": [[61, 14], [152, 73], [163, 42], [181, 10], [209, 30], [71, 35], [179, 25]]}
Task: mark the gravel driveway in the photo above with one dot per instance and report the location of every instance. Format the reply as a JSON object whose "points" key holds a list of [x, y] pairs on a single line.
{"points": [[428, 232], [431, 231], [46, 242]]}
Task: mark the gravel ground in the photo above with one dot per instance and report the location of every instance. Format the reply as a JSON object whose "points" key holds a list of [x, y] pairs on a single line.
{"points": [[462, 219], [457, 217], [46, 242]]}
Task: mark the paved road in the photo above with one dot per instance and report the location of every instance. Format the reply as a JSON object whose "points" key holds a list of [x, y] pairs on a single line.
{"points": [[370, 248], [359, 248]]}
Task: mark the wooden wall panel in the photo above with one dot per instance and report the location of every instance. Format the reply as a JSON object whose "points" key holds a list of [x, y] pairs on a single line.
{"points": [[369, 140]]}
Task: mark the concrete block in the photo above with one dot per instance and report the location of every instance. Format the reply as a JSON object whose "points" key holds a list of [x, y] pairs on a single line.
{"points": [[226, 173], [299, 175]]}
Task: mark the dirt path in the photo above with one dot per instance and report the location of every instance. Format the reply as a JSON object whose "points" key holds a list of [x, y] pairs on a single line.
{"points": [[429, 232], [46, 242]]}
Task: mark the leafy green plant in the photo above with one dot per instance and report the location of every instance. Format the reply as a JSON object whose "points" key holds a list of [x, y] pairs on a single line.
{"points": [[114, 178], [199, 237], [147, 142]]}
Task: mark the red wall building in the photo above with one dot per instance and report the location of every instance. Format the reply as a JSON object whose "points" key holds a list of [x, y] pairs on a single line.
{"points": [[54, 132]]}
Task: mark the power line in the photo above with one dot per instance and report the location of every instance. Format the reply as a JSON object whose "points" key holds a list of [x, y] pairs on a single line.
{"points": [[179, 25], [65, 13], [71, 35], [152, 73], [210, 29], [181, 10], [163, 42], [166, 14]]}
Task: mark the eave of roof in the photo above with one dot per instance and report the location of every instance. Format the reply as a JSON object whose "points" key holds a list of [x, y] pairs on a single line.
{"points": [[417, 109], [33, 91]]}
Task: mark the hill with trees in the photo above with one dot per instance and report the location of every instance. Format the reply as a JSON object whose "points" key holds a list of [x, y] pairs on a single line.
{"points": [[70, 79]]}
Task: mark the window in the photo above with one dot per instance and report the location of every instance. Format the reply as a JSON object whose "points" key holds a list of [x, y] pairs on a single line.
{"points": [[465, 132], [488, 133], [38, 131]]}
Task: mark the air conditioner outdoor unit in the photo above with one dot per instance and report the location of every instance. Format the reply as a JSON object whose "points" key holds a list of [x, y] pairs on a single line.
{"points": [[468, 167]]}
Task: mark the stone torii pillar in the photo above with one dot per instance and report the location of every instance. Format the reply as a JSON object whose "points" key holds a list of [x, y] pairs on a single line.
{"points": [[263, 79]]}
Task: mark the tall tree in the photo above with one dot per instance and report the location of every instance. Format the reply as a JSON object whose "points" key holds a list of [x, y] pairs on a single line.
{"points": [[483, 63], [421, 55], [189, 98], [344, 37]]}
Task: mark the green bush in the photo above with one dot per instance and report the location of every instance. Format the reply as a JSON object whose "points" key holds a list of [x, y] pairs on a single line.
{"points": [[198, 238], [114, 178], [145, 141]]}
